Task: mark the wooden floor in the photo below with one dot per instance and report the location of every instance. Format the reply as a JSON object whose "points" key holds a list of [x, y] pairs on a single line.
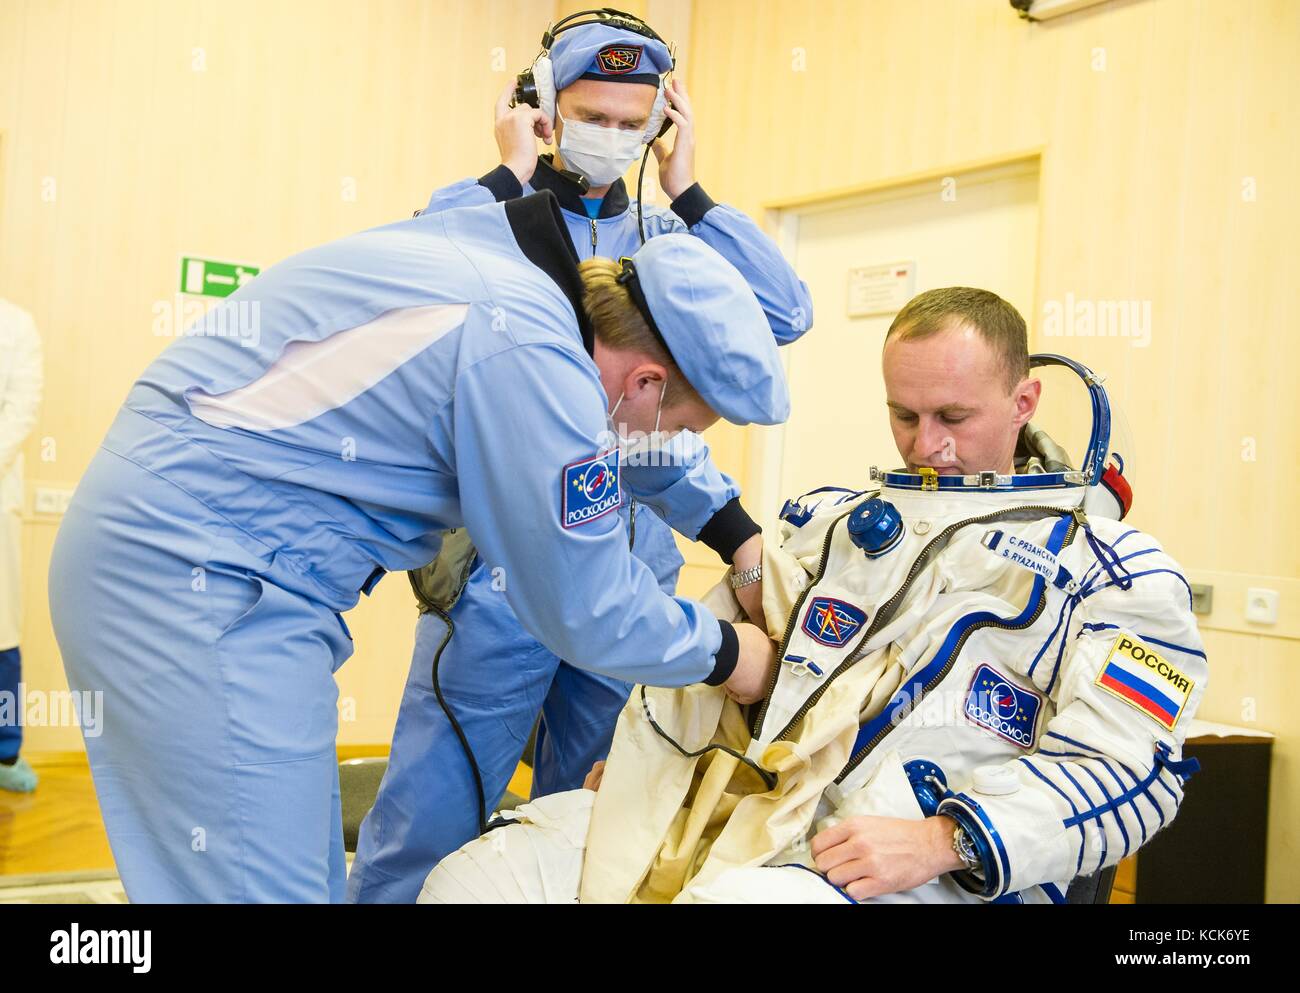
{"points": [[59, 829]]}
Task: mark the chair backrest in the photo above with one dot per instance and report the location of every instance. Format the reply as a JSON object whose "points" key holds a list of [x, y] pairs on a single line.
{"points": [[1091, 889]]}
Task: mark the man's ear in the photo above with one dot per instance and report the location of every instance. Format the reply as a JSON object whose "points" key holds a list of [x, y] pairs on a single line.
{"points": [[1026, 396], [648, 375]]}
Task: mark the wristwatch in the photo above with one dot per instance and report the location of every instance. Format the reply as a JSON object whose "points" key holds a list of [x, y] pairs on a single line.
{"points": [[746, 578], [966, 851]]}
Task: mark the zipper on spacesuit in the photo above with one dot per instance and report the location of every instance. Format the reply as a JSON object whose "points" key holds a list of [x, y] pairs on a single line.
{"points": [[886, 609], [856, 759], [593, 237], [789, 627]]}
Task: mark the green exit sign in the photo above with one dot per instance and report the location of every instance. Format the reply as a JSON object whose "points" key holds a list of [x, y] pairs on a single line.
{"points": [[210, 278]]}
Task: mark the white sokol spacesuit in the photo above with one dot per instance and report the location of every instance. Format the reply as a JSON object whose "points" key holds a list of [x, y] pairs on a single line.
{"points": [[1000, 649]]}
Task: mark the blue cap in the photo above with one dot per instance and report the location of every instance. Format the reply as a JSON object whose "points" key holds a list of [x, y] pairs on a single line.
{"points": [[598, 51], [716, 331]]}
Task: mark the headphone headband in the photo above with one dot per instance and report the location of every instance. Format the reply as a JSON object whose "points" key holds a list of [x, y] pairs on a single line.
{"points": [[610, 18]]}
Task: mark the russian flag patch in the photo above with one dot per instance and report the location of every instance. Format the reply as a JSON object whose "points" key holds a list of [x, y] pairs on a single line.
{"points": [[1144, 679]]}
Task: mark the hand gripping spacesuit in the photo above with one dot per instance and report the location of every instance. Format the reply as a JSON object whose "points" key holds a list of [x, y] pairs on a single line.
{"points": [[999, 649]]}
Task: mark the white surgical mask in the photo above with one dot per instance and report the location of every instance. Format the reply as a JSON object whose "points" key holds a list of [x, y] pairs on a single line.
{"points": [[639, 446], [601, 154]]}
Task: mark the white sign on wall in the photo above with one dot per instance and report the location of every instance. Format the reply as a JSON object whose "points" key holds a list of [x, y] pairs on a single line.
{"points": [[881, 289]]}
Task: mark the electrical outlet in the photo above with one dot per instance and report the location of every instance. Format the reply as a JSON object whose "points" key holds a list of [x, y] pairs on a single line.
{"points": [[1261, 605], [52, 500], [1202, 598]]}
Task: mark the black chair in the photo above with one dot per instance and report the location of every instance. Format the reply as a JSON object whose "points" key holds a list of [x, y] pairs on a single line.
{"points": [[1091, 889], [359, 781]]}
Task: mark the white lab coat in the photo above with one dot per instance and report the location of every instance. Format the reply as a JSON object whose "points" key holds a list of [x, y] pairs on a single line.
{"points": [[20, 397]]}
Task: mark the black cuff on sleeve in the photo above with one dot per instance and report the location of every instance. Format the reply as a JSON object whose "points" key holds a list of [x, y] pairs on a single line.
{"points": [[724, 663], [728, 529], [692, 205], [503, 184]]}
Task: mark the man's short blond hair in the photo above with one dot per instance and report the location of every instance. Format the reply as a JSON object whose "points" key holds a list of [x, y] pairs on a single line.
{"points": [[995, 320], [619, 323]]}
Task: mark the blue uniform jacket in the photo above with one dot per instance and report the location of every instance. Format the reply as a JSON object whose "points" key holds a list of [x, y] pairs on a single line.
{"points": [[357, 399]]}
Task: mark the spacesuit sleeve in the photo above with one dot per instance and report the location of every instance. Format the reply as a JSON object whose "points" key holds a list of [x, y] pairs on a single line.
{"points": [[1108, 772], [539, 493], [498, 185], [698, 500], [783, 295], [21, 396]]}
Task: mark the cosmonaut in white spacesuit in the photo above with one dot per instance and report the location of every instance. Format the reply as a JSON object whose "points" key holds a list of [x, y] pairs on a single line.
{"points": [[983, 682]]}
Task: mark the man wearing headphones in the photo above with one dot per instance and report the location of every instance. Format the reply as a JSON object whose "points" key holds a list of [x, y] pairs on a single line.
{"points": [[598, 91]]}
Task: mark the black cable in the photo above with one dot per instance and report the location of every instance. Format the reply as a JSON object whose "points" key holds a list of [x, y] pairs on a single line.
{"points": [[455, 724], [640, 176], [483, 824], [769, 778]]}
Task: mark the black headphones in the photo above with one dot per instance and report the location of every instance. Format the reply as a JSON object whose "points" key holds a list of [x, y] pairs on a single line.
{"points": [[535, 86]]}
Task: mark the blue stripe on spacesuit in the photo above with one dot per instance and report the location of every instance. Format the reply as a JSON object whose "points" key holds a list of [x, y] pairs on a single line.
{"points": [[1137, 812], [1083, 836], [1145, 637], [819, 875], [1065, 771], [955, 633], [1070, 603], [1115, 543], [1137, 554], [1085, 584], [1020, 481], [1074, 601], [1096, 566], [1100, 756], [1126, 797], [1138, 575], [1119, 819], [1053, 892], [1165, 786], [1050, 638], [1183, 769]]}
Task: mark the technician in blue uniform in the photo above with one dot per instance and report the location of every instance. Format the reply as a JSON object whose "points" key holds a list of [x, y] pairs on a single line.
{"points": [[327, 423], [600, 93]]}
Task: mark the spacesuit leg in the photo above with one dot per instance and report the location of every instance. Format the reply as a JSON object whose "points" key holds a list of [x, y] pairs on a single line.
{"points": [[494, 677], [213, 749], [537, 858]]}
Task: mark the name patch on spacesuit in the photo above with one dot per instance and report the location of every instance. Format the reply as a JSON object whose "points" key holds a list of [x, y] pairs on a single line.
{"points": [[832, 622], [1146, 680], [591, 489], [1029, 556], [999, 705]]}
